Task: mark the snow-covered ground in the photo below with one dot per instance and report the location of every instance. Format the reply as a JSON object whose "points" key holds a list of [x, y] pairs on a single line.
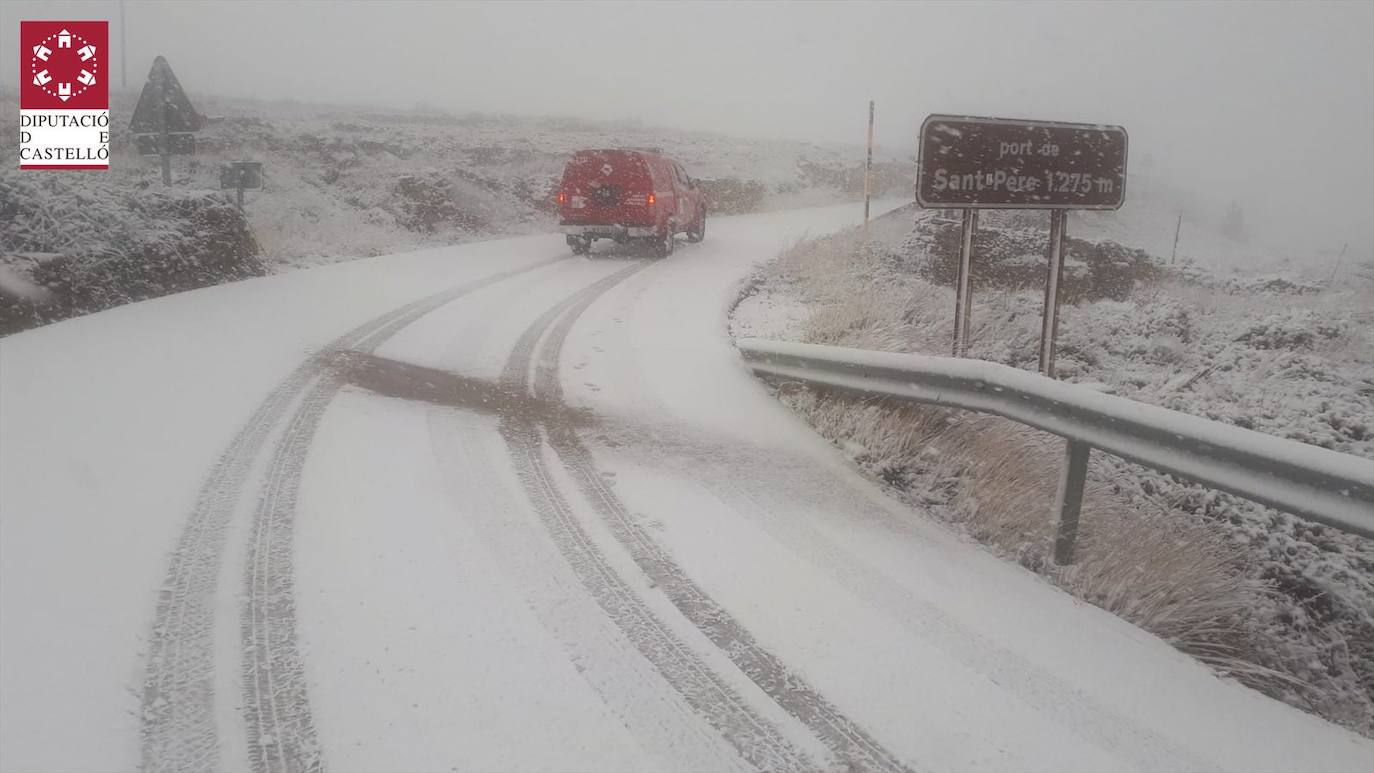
{"points": [[299, 519]]}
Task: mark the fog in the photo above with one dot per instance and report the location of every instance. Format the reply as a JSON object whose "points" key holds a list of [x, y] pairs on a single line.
{"points": [[1271, 105]]}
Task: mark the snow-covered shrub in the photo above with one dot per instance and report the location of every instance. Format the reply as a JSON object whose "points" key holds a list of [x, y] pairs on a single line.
{"points": [[426, 203], [1015, 257], [106, 245], [732, 196], [1290, 329]]}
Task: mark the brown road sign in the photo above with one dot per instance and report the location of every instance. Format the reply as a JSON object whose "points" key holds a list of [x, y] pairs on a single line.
{"points": [[1001, 163], [163, 106]]}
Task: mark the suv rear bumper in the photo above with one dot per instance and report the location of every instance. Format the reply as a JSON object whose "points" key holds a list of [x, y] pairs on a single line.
{"points": [[608, 231]]}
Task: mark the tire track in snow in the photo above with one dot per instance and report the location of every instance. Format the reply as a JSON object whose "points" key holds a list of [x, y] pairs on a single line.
{"points": [[789, 689], [177, 707], [281, 732], [632, 689], [757, 740]]}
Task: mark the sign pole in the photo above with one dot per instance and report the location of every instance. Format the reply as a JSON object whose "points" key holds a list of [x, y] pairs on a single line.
{"points": [[962, 299], [868, 167], [1049, 325], [240, 175]]}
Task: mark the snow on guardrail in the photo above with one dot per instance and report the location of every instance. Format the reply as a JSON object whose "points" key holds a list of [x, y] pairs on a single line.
{"points": [[1314, 483]]}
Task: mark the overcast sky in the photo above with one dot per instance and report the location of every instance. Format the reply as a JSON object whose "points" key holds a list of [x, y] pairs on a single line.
{"points": [[1266, 103]]}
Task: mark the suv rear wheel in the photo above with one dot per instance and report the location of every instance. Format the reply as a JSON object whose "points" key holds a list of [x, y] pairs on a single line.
{"points": [[663, 246], [581, 245], [698, 230]]}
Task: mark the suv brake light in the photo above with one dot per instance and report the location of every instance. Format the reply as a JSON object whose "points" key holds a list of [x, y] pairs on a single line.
{"points": [[649, 200], [562, 197]]}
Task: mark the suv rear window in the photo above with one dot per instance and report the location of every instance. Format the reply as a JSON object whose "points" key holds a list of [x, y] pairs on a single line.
{"points": [[615, 167]]}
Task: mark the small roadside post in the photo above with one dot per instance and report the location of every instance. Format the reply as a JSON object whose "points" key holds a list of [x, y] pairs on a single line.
{"points": [[164, 122], [1337, 267], [240, 175], [123, 51], [973, 163], [868, 169], [1178, 229]]}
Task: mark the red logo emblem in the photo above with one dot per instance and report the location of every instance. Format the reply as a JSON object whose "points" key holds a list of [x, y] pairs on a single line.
{"points": [[62, 65]]}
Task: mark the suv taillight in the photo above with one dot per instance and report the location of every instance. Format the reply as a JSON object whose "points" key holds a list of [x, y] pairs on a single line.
{"points": [[562, 197], [649, 200]]}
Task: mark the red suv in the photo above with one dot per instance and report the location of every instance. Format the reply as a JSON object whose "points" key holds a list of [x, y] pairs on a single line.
{"points": [[628, 194]]}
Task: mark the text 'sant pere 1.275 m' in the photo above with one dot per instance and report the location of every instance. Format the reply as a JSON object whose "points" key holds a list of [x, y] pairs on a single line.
{"points": [[999, 163]]}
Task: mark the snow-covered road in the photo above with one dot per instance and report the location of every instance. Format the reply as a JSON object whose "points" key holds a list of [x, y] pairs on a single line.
{"points": [[492, 507]]}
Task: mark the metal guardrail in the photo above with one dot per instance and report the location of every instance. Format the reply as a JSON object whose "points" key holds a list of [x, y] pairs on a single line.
{"points": [[1327, 487]]}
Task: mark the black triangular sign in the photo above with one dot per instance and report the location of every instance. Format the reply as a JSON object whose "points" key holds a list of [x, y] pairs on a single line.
{"points": [[162, 95]]}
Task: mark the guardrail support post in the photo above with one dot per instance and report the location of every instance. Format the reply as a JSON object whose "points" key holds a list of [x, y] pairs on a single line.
{"points": [[1070, 499]]}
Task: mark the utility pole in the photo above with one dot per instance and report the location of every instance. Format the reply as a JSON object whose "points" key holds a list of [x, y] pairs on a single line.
{"points": [[1177, 229], [123, 52], [868, 167], [1337, 267]]}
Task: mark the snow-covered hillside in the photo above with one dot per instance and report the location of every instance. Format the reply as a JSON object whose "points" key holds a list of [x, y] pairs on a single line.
{"points": [[342, 183], [345, 182]]}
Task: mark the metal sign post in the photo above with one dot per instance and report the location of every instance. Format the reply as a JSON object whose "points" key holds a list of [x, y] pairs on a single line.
{"points": [[1054, 279], [164, 150], [963, 299], [240, 175]]}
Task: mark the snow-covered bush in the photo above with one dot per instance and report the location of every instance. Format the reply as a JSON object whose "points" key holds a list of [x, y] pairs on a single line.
{"points": [[103, 245], [427, 203], [1289, 329], [732, 196], [1015, 257]]}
